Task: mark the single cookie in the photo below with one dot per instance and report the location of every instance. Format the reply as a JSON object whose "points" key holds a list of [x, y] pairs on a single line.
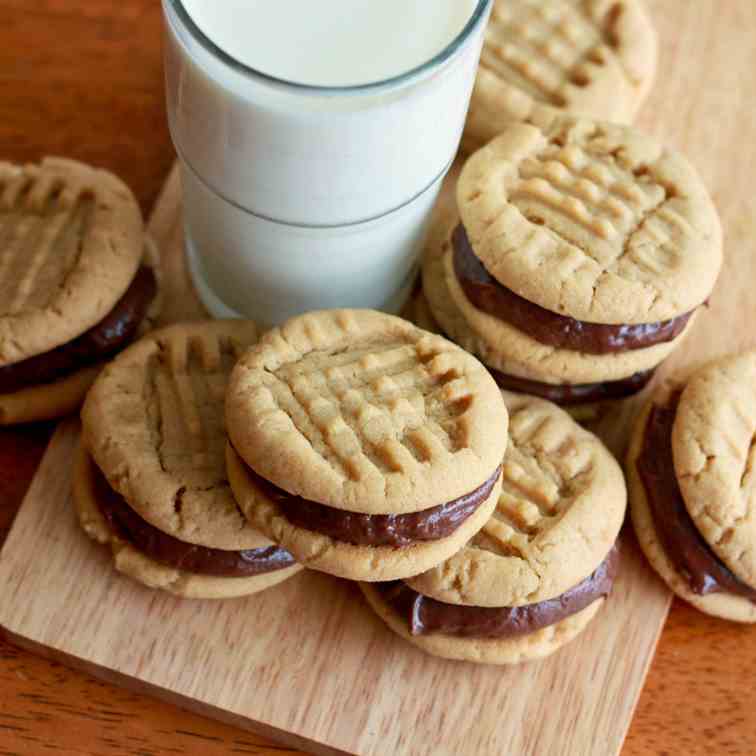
{"points": [[71, 245], [593, 57], [714, 445], [590, 221], [368, 447], [64, 394], [543, 564], [90, 491], [559, 513], [365, 412], [690, 462], [153, 422]]}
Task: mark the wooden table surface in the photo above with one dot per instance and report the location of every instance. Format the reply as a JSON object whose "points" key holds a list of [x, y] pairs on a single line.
{"points": [[83, 78]]}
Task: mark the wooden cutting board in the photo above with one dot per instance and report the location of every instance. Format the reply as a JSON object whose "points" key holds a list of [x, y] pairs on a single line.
{"points": [[308, 664]]}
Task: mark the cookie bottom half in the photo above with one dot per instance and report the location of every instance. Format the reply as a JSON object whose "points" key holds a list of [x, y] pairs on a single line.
{"points": [[131, 562], [504, 651], [48, 401], [320, 552], [724, 605]]}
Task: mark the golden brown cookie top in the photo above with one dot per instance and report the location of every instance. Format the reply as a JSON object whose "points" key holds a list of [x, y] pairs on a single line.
{"points": [[593, 57], [559, 514], [71, 242], [592, 220], [365, 412], [714, 446], [153, 422]]}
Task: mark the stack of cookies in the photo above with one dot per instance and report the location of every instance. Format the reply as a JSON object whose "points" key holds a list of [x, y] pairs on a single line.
{"points": [[593, 57], [576, 259], [378, 452], [481, 524], [78, 282]]}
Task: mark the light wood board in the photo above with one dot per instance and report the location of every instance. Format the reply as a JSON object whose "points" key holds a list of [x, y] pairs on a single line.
{"points": [[308, 663]]}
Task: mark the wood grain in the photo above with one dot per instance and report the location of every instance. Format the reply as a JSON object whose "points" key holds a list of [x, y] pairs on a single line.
{"points": [[698, 698]]}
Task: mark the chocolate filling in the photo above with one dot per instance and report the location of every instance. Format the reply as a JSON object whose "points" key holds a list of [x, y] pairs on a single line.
{"points": [[547, 327], [693, 558], [187, 557], [568, 395], [109, 336], [376, 530], [426, 616]]}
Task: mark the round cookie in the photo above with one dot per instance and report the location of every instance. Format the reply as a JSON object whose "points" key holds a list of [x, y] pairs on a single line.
{"points": [[365, 412], [365, 418], [559, 514], [71, 244], [714, 446], [509, 350], [64, 396], [153, 422], [593, 221], [137, 565], [505, 651], [594, 57], [726, 606]]}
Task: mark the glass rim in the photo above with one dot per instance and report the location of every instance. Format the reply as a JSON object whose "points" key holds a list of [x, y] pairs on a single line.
{"points": [[400, 80]]}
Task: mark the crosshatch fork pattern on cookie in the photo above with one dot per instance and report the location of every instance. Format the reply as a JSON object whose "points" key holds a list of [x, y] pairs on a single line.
{"points": [[386, 406], [42, 220], [545, 48], [185, 389], [542, 474], [597, 204]]}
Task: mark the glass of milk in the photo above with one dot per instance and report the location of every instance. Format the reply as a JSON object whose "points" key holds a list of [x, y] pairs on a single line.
{"points": [[313, 139]]}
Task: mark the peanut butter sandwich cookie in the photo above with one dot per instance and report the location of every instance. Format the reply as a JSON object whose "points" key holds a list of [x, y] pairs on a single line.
{"points": [[541, 567], [578, 260], [592, 57], [151, 476], [367, 447], [77, 283], [692, 476]]}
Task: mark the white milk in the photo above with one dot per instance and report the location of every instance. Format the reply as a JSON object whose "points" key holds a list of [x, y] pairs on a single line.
{"points": [[313, 139], [331, 43]]}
